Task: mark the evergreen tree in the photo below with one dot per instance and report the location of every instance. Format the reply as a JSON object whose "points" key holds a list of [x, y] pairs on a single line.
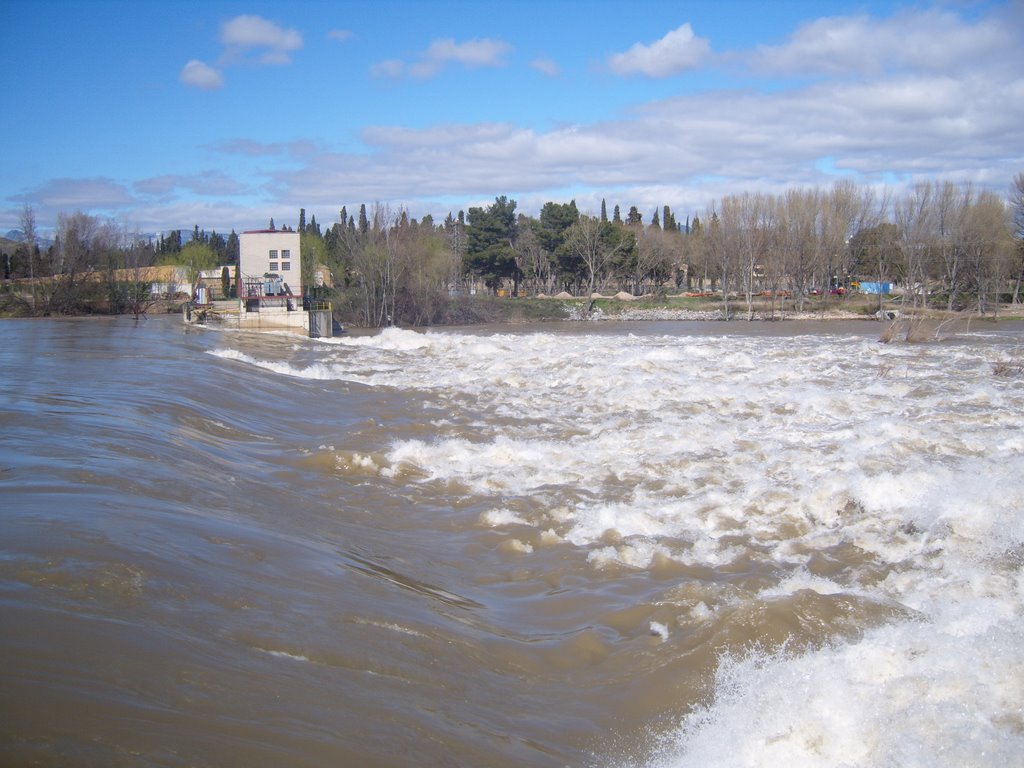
{"points": [[634, 218], [555, 220], [272, 227], [219, 245], [616, 217], [668, 220], [491, 236], [655, 221], [604, 211], [302, 220], [364, 223], [231, 252], [171, 243]]}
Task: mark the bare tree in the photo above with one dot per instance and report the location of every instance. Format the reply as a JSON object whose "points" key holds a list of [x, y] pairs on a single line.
{"points": [[656, 260], [987, 242], [75, 252], [1017, 207], [392, 264], [951, 206], [915, 219], [586, 240], [401, 270], [796, 245], [721, 252], [423, 294], [368, 257], [847, 211], [28, 229], [697, 252], [747, 223], [531, 259]]}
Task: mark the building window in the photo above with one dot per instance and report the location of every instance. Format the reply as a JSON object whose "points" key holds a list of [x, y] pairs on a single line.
{"points": [[273, 266], [273, 254], [286, 254], [286, 266]]}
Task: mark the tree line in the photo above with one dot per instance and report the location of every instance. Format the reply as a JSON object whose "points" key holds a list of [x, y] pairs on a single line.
{"points": [[96, 265], [942, 243]]}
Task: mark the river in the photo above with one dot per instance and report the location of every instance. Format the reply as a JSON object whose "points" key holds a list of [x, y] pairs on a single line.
{"points": [[582, 544]]}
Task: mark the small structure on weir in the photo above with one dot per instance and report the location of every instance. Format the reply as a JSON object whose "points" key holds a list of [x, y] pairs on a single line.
{"points": [[268, 283]]}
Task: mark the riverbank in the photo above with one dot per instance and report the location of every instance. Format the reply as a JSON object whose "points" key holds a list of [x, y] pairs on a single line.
{"points": [[623, 307], [666, 313], [483, 310]]}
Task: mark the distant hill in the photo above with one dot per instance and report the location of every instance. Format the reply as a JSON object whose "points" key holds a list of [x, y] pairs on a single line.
{"points": [[14, 238]]}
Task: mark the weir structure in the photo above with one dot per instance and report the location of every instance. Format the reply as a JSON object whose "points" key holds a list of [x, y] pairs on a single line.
{"points": [[269, 262]]}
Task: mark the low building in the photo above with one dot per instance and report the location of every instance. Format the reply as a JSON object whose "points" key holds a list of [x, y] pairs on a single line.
{"points": [[270, 291], [269, 280], [269, 263]]}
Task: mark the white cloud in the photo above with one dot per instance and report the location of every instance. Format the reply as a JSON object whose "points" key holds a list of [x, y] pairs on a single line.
{"points": [[546, 66], [249, 148], [87, 194], [960, 124], [948, 109], [210, 183], [341, 35], [482, 52], [473, 53], [244, 33], [297, 149], [921, 40], [388, 68], [200, 75], [678, 51], [239, 35]]}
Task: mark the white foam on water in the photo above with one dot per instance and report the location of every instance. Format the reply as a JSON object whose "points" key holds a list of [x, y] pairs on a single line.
{"points": [[909, 694], [316, 371], [496, 517], [660, 630], [712, 451], [285, 655], [388, 625]]}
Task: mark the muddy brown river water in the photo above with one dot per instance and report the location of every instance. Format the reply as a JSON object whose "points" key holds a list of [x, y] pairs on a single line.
{"points": [[586, 544]]}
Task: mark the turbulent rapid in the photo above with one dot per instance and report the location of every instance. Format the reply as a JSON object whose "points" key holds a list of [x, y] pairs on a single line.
{"points": [[649, 544]]}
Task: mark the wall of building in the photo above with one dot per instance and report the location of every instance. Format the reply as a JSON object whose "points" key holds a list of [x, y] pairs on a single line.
{"points": [[270, 251]]}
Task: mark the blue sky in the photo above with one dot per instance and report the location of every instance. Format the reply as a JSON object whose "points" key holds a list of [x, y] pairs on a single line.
{"points": [[165, 115]]}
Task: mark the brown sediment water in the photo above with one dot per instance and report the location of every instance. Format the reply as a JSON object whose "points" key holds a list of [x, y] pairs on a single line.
{"points": [[555, 545]]}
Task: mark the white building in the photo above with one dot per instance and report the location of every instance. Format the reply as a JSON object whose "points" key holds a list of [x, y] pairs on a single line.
{"points": [[269, 264], [269, 281]]}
